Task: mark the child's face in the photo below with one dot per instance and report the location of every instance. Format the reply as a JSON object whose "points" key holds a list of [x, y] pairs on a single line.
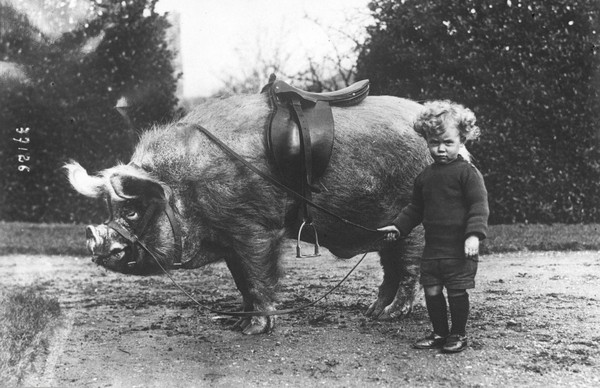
{"points": [[444, 147]]}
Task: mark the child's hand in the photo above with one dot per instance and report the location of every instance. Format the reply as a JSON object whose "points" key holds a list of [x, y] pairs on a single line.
{"points": [[472, 246], [392, 233]]}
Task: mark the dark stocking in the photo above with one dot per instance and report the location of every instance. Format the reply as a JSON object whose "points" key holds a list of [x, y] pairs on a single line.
{"points": [[459, 310], [436, 307]]}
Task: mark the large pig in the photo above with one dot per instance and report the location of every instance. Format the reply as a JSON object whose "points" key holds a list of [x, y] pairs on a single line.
{"points": [[227, 212]]}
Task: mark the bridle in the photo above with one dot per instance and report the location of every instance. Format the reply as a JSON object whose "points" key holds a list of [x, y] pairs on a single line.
{"points": [[135, 237]]}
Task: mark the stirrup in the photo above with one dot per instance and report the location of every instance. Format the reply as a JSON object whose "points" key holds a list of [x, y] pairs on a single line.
{"points": [[298, 253]]}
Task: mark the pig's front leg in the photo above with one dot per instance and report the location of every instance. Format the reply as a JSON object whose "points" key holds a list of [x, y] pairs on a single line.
{"points": [[255, 275]]}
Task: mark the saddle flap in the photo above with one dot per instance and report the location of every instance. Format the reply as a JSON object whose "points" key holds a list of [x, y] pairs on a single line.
{"points": [[285, 143]]}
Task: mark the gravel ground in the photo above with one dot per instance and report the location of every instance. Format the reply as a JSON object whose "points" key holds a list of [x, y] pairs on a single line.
{"points": [[534, 323]]}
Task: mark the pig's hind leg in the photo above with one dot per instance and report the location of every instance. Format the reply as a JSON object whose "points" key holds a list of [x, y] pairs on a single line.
{"points": [[401, 262]]}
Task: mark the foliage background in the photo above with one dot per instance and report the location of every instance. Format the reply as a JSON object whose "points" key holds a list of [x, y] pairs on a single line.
{"points": [[67, 98], [530, 70]]}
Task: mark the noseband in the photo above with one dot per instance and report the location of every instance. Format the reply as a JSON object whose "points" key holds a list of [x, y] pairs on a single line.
{"points": [[134, 238]]}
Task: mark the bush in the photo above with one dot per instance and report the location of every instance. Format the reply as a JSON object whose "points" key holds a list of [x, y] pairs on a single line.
{"points": [[67, 102], [529, 70]]}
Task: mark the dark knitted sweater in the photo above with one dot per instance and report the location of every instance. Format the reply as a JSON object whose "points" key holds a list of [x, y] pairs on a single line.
{"points": [[451, 202]]}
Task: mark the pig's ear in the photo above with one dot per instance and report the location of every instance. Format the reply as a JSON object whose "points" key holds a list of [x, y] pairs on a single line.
{"points": [[134, 186], [90, 186]]}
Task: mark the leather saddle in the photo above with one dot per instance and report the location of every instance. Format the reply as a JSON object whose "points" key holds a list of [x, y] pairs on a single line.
{"points": [[300, 132], [299, 137]]}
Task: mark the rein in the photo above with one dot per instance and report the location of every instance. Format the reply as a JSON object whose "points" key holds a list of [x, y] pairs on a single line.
{"points": [[165, 206], [257, 313], [275, 181]]}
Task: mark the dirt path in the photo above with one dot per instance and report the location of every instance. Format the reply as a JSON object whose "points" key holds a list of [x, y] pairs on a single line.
{"points": [[535, 322]]}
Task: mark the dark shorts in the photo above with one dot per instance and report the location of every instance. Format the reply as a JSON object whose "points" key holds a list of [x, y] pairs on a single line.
{"points": [[454, 274]]}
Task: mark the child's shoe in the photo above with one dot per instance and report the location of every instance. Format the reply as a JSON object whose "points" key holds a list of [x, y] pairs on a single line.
{"points": [[455, 343], [432, 341]]}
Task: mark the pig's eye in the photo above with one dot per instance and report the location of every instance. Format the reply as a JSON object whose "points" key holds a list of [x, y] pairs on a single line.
{"points": [[130, 214]]}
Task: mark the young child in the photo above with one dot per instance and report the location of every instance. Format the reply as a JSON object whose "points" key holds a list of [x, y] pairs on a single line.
{"points": [[450, 199]]}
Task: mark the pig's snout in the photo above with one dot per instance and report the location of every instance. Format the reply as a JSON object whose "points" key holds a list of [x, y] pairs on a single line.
{"points": [[93, 239], [102, 245]]}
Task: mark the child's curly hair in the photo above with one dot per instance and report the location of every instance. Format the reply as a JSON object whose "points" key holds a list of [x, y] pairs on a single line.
{"points": [[440, 114]]}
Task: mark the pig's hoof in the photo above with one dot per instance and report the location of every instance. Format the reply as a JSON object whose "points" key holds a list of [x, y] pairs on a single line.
{"points": [[374, 310], [254, 325], [394, 310], [377, 308]]}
